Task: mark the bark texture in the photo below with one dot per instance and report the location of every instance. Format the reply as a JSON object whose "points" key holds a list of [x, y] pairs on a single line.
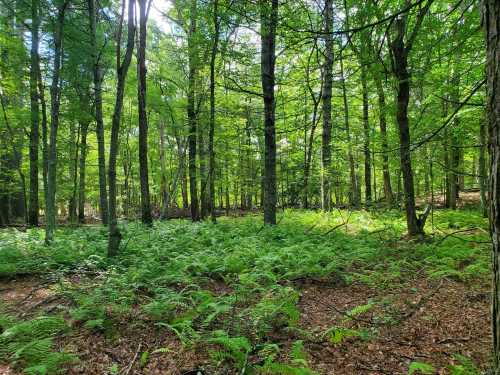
{"points": [[35, 116], [491, 21], [122, 69], [143, 118], [326, 152], [269, 20]]}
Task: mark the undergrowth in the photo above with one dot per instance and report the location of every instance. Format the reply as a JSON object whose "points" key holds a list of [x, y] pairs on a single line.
{"points": [[232, 284]]}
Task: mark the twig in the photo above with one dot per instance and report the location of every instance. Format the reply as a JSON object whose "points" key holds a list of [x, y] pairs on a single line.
{"points": [[452, 234], [311, 228], [420, 303], [133, 359]]}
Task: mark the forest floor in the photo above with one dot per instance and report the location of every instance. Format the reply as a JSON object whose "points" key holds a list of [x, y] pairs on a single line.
{"points": [[321, 293]]}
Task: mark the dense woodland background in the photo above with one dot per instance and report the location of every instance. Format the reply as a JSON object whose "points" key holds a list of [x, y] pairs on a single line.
{"points": [[368, 130], [346, 153]]}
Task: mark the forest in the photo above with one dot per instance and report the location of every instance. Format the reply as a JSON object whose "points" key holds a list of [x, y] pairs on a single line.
{"points": [[245, 187]]}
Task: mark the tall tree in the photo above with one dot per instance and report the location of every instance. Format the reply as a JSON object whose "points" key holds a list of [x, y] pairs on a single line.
{"points": [[211, 151], [326, 149], [191, 110], [400, 48], [366, 133], [354, 195], [121, 73], [268, 24], [98, 76], [382, 118], [55, 100], [491, 21], [35, 115], [84, 126], [143, 119], [483, 172]]}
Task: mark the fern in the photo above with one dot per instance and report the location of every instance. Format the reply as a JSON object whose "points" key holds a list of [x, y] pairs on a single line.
{"points": [[420, 367], [235, 348], [29, 344]]}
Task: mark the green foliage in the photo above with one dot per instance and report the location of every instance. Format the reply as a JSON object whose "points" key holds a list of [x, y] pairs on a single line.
{"points": [[420, 367], [235, 349], [465, 366], [337, 335], [29, 344], [232, 286], [276, 309], [299, 364]]}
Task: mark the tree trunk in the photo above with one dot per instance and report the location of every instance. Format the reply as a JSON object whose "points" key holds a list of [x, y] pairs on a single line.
{"points": [[143, 119], [192, 118], [389, 198], [400, 56], [327, 108], [491, 21], [97, 77], [211, 151], [45, 145], [73, 172], [354, 197], [163, 173], [269, 20], [122, 69], [55, 93], [202, 151], [82, 167], [366, 131], [483, 173], [35, 116]]}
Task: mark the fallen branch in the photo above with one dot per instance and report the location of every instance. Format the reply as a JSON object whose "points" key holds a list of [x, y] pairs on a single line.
{"points": [[345, 222], [335, 227], [452, 234], [133, 359], [420, 303]]}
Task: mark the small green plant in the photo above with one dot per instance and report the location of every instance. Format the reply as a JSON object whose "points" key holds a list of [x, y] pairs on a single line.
{"points": [[235, 349], [299, 365], [420, 368], [465, 366], [29, 344]]}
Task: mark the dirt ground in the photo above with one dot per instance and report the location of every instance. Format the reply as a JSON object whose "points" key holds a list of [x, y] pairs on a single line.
{"points": [[437, 320]]}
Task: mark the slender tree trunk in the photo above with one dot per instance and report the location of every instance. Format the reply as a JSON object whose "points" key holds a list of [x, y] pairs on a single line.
{"points": [[192, 118], [211, 151], [327, 108], [354, 188], [389, 197], [202, 152], [19, 208], [143, 119], [97, 77], [35, 116], [491, 21], [45, 142], [269, 20], [309, 144], [82, 169], [122, 69], [55, 93], [400, 56], [483, 173], [73, 172], [163, 173], [366, 131], [454, 158]]}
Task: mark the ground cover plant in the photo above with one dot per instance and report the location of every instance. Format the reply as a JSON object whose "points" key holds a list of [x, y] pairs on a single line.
{"points": [[239, 298]]}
